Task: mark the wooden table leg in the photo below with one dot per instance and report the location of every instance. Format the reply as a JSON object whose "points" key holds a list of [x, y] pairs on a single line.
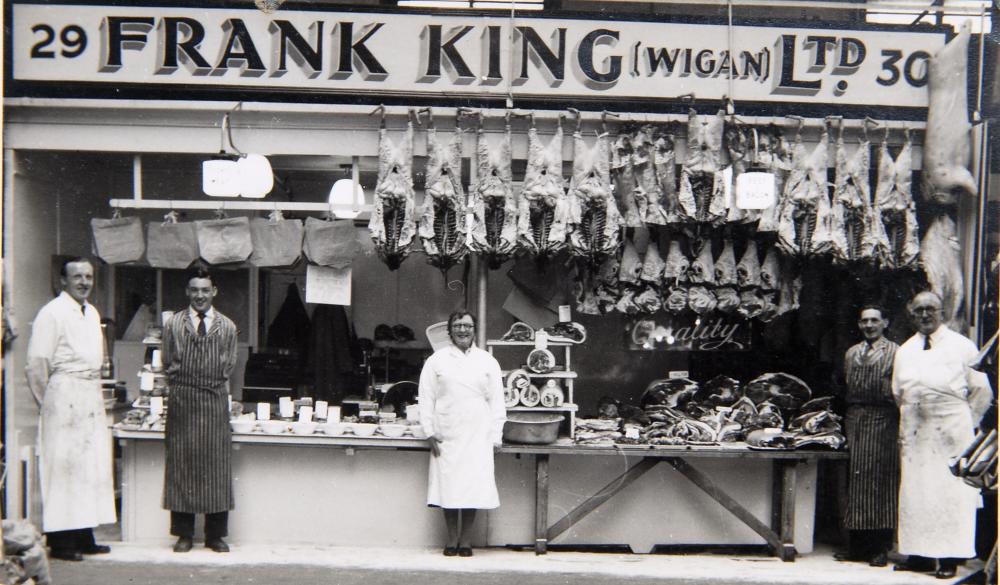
{"points": [[787, 476], [541, 503]]}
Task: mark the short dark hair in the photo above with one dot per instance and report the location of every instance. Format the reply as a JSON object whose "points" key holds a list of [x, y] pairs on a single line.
{"points": [[458, 315], [872, 307], [198, 272], [75, 260]]}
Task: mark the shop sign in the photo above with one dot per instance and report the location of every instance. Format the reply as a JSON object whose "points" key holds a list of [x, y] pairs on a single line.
{"points": [[713, 332], [471, 56]]}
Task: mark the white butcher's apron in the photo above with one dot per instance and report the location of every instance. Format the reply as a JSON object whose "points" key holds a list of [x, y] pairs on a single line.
{"points": [[75, 454], [462, 475], [937, 511]]}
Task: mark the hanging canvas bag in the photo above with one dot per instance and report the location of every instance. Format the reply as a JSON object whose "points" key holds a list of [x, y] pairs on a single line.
{"points": [[118, 240], [331, 243], [224, 240], [171, 244], [276, 241]]}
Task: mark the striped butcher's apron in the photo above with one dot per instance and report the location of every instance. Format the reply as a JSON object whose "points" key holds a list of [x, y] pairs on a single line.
{"points": [[198, 477], [872, 428]]}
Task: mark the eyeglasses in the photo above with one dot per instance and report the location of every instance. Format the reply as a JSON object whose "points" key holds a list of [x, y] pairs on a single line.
{"points": [[924, 310], [463, 326]]}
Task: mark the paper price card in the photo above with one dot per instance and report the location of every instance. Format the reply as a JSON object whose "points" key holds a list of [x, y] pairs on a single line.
{"points": [[263, 411], [755, 190], [328, 286]]}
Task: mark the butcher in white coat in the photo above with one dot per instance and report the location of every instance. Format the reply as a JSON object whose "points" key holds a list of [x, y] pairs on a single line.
{"points": [[462, 413], [64, 371], [941, 403]]}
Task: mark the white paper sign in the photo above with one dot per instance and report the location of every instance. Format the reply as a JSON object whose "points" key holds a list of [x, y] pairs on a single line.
{"points": [[321, 408], [155, 406], [285, 407], [328, 286], [675, 374], [263, 411], [306, 414], [755, 190]]}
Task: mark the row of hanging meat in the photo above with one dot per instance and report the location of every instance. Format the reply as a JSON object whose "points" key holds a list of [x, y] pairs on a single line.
{"points": [[756, 284], [631, 180]]}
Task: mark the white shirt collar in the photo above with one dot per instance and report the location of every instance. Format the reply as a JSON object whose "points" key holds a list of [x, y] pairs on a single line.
{"points": [[71, 302]]}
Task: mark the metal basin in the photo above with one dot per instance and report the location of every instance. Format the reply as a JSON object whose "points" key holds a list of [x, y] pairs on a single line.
{"points": [[534, 428]]}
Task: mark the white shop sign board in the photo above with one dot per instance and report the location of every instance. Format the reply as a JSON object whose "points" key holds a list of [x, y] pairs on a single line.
{"points": [[479, 56]]}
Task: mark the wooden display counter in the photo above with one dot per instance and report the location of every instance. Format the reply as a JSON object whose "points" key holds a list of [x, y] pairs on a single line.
{"points": [[354, 491]]}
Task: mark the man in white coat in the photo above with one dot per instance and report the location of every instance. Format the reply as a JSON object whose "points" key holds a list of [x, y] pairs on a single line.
{"points": [[64, 371], [941, 403], [462, 413]]}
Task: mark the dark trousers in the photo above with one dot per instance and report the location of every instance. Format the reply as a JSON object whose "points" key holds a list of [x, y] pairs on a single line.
{"points": [[216, 525], [866, 543], [79, 539]]}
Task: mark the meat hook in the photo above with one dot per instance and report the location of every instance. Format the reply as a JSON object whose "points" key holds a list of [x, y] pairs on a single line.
{"points": [[430, 116], [801, 121], [414, 116], [604, 119], [579, 118], [864, 126]]}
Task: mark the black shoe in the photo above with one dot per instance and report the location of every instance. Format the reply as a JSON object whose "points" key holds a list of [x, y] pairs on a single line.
{"points": [[218, 545], [66, 554], [879, 560], [450, 551], [917, 565], [96, 549], [183, 544], [946, 570], [465, 551], [847, 557]]}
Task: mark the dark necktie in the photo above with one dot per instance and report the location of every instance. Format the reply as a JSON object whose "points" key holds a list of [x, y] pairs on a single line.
{"points": [[83, 309], [927, 342], [201, 323]]}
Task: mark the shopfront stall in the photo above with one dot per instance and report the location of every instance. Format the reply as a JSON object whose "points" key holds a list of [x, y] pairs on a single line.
{"points": [[665, 224]]}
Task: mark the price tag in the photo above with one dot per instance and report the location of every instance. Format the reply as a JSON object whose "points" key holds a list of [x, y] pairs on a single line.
{"points": [[263, 411], [675, 374], [541, 339], [321, 408], [146, 381], [631, 433], [155, 406], [755, 191], [305, 414], [285, 407]]}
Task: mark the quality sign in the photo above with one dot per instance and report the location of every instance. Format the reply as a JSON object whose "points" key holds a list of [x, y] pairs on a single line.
{"points": [[466, 56]]}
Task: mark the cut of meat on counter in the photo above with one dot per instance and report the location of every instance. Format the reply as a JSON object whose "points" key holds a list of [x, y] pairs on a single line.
{"points": [[494, 206], [393, 223], [442, 219], [894, 202], [783, 390], [947, 141], [543, 210]]}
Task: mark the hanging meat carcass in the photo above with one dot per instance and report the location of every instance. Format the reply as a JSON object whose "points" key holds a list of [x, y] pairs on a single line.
{"points": [[651, 276], [748, 279], [858, 234], [594, 223], [939, 254], [543, 211], [700, 181], [442, 220], [770, 285], [650, 195], [738, 142], [494, 207], [675, 276], [896, 208], [392, 224], [804, 224], [947, 141], [726, 279], [773, 156], [701, 275], [665, 167], [624, 176]]}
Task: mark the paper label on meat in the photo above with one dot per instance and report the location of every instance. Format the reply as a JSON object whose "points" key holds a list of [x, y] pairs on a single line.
{"points": [[755, 190]]}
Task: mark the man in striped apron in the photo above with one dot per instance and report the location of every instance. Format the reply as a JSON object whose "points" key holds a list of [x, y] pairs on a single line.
{"points": [[199, 353], [872, 429], [74, 444]]}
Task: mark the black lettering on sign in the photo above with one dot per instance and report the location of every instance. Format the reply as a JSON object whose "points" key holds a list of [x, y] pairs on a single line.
{"points": [[852, 54], [74, 38], [820, 45], [892, 56], [38, 51], [552, 63], [491, 56], [286, 39], [438, 52], [355, 53], [585, 56], [921, 59], [239, 47], [175, 51], [785, 83], [657, 57], [705, 63], [120, 33]]}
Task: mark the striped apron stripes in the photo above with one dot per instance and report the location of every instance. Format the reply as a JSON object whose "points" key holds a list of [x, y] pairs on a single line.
{"points": [[872, 428], [198, 474]]}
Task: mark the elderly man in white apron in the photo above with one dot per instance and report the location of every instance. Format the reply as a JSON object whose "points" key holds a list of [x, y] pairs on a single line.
{"points": [[64, 369], [941, 402], [462, 413], [199, 353]]}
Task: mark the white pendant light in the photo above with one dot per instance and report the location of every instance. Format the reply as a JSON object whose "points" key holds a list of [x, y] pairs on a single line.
{"points": [[347, 193], [219, 178], [254, 176]]}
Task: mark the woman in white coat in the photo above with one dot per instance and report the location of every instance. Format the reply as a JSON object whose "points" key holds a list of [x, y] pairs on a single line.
{"points": [[462, 413]]}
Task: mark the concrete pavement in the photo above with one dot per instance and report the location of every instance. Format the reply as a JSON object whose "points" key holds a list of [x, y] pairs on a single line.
{"points": [[133, 564]]}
